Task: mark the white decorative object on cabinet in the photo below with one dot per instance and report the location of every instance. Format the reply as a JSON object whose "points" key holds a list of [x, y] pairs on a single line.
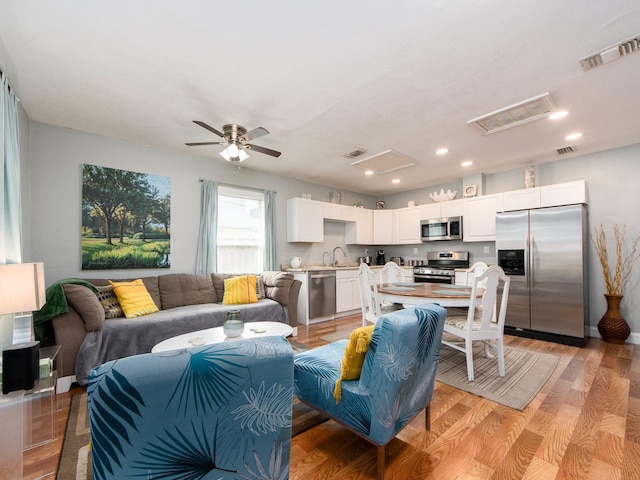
{"points": [[406, 225], [479, 217], [382, 227], [569, 193], [525, 199], [305, 220]]}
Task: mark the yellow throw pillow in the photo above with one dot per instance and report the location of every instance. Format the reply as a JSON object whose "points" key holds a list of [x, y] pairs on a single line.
{"points": [[134, 298], [353, 359], [241, 289]]}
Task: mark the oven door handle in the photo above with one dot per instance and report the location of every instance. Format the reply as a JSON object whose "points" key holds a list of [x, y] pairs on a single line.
{"points": [[433, 278]]}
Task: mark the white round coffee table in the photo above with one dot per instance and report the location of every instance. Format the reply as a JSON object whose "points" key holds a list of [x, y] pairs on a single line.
{"points": [[216, 335]]}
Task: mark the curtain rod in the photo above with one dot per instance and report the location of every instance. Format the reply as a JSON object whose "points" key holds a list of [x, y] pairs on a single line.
{"points": [[237, 186]]}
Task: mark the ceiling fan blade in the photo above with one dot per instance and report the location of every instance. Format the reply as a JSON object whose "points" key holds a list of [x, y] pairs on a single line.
{"points": [[211, 129], [194, 144], [255, 133], [264, 150]]}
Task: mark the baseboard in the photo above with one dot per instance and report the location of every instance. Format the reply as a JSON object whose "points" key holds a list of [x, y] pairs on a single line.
{"points": [[633, 338]]}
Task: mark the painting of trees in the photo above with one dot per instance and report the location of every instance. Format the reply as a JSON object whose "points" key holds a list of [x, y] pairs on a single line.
{"points": [[125, 219]]}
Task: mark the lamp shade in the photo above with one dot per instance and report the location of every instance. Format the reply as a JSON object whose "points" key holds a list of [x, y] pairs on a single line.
{"points": [[21, 287]]}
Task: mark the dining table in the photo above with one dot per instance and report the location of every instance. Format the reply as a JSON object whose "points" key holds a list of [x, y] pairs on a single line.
{"points": [[415, 293]]}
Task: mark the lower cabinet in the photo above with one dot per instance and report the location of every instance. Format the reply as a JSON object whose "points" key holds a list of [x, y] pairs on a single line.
{"points": [[347, 291]]}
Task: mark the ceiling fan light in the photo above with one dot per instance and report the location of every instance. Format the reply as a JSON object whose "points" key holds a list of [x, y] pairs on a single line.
{"points": [[234, 154]]}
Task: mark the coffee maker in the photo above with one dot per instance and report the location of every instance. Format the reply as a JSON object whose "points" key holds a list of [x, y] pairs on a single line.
{"points": [[380, 258]]}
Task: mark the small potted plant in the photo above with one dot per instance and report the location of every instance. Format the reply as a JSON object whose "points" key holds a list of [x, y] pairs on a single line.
{"points": [[612, 326]]}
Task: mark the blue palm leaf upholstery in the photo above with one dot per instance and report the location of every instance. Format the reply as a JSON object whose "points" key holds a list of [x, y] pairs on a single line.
{"points": [[219, 411], [396, 382]]}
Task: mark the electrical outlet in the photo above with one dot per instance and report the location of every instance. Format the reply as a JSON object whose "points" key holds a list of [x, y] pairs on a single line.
{"points": [[486, 249], [415, 251]]}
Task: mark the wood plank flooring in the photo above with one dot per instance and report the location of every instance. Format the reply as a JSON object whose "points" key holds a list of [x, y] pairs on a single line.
{"points": [[584, 424]]}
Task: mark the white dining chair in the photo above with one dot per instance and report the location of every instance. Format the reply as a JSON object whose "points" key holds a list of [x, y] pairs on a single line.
{"points": [[488, 326], [471, 273], [391, 273], [372, 307]]}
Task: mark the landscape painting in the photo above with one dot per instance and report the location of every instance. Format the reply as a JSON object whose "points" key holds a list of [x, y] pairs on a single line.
{"points": [[125, 219]]}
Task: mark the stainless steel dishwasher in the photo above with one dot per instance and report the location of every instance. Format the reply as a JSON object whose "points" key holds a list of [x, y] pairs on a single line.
{"points": [[322, 294]]}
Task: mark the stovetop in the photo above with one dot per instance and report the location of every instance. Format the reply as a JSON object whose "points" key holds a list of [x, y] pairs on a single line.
{"points": [[443, 263]]}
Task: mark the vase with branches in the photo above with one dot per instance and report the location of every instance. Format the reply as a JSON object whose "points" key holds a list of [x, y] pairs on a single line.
{"points": [[613, 327]]}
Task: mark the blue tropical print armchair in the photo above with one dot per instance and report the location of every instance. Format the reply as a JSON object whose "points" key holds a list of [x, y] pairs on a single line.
{"points": [[396, 382], [219, 411]]}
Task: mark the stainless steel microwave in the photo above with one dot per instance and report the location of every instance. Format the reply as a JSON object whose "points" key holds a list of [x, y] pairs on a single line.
{"points": [[449, 228]]}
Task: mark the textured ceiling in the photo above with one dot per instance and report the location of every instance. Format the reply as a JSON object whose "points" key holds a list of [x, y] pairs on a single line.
{"points": [[327, 78]]}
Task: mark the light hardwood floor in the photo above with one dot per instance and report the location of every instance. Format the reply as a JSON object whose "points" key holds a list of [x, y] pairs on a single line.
{"points": [[584, 424]]}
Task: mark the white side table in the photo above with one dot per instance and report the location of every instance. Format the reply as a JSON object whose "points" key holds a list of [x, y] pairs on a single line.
{"points": [[216, 335]]}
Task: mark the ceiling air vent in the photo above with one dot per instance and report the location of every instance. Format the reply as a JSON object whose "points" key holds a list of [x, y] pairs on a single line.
{"points": [[565, 150], [356, 153], [514, 115], [610, 54], [385, 162]]}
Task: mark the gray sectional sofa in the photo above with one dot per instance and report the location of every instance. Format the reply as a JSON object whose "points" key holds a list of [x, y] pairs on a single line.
{"points": [[187, 302]]}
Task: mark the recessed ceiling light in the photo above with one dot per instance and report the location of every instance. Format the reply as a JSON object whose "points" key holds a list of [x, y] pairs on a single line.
{"points": [[467, 163], [573, 136], [369, 172], [395, 180], [558, 114], [442, 151]]}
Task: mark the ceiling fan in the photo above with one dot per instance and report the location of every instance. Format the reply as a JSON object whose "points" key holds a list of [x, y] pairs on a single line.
{"points": [[236, 138]]}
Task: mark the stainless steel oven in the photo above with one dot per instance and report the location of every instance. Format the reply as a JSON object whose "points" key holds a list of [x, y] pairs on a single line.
{"points": [[440, 267]]}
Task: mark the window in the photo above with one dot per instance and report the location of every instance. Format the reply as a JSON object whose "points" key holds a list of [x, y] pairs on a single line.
{"points": [[241, 232]]}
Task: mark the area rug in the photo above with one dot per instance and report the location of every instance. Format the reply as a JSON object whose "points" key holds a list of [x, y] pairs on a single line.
{"points": [[526, 372], [75, 460]]}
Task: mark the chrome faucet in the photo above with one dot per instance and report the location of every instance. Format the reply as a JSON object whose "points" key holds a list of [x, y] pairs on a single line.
{"points": [[334, 261], [328, 263]]}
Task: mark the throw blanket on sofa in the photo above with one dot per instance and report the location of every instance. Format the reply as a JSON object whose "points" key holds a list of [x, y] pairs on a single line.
{"points": [[55, 304], [124, 337]]}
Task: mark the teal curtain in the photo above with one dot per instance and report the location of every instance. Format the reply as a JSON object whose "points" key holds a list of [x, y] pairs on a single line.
{"points": [[10, 211], [270, 241], [207, 242]]}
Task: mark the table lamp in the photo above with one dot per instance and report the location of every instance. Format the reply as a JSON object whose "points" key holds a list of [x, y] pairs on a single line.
{"points": [[21, 292]]}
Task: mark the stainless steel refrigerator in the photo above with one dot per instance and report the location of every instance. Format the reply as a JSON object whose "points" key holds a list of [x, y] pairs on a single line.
{"points": [[544, 252]]}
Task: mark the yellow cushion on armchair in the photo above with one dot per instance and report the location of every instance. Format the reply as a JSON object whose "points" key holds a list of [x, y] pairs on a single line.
{"points": [[353, 359]]}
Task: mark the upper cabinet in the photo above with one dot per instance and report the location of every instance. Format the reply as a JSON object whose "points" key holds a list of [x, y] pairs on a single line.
{"points": [[406, 225], [521, 199], [569, 193], [452, 208], [479, 217], [305, 220], [359, 231], [382, 227]]}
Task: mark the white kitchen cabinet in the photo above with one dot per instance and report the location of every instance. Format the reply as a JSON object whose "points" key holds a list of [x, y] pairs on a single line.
{"points": [[332, 211], [569, 193], [479, 217], [305, 220], [452, 208], [406, 225], [382, 227], [359, 231], [429, 211], [347, 291], [521, 199]]}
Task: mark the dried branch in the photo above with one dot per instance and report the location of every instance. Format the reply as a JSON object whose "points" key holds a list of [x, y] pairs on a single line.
{"points": [[615, 281]]}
